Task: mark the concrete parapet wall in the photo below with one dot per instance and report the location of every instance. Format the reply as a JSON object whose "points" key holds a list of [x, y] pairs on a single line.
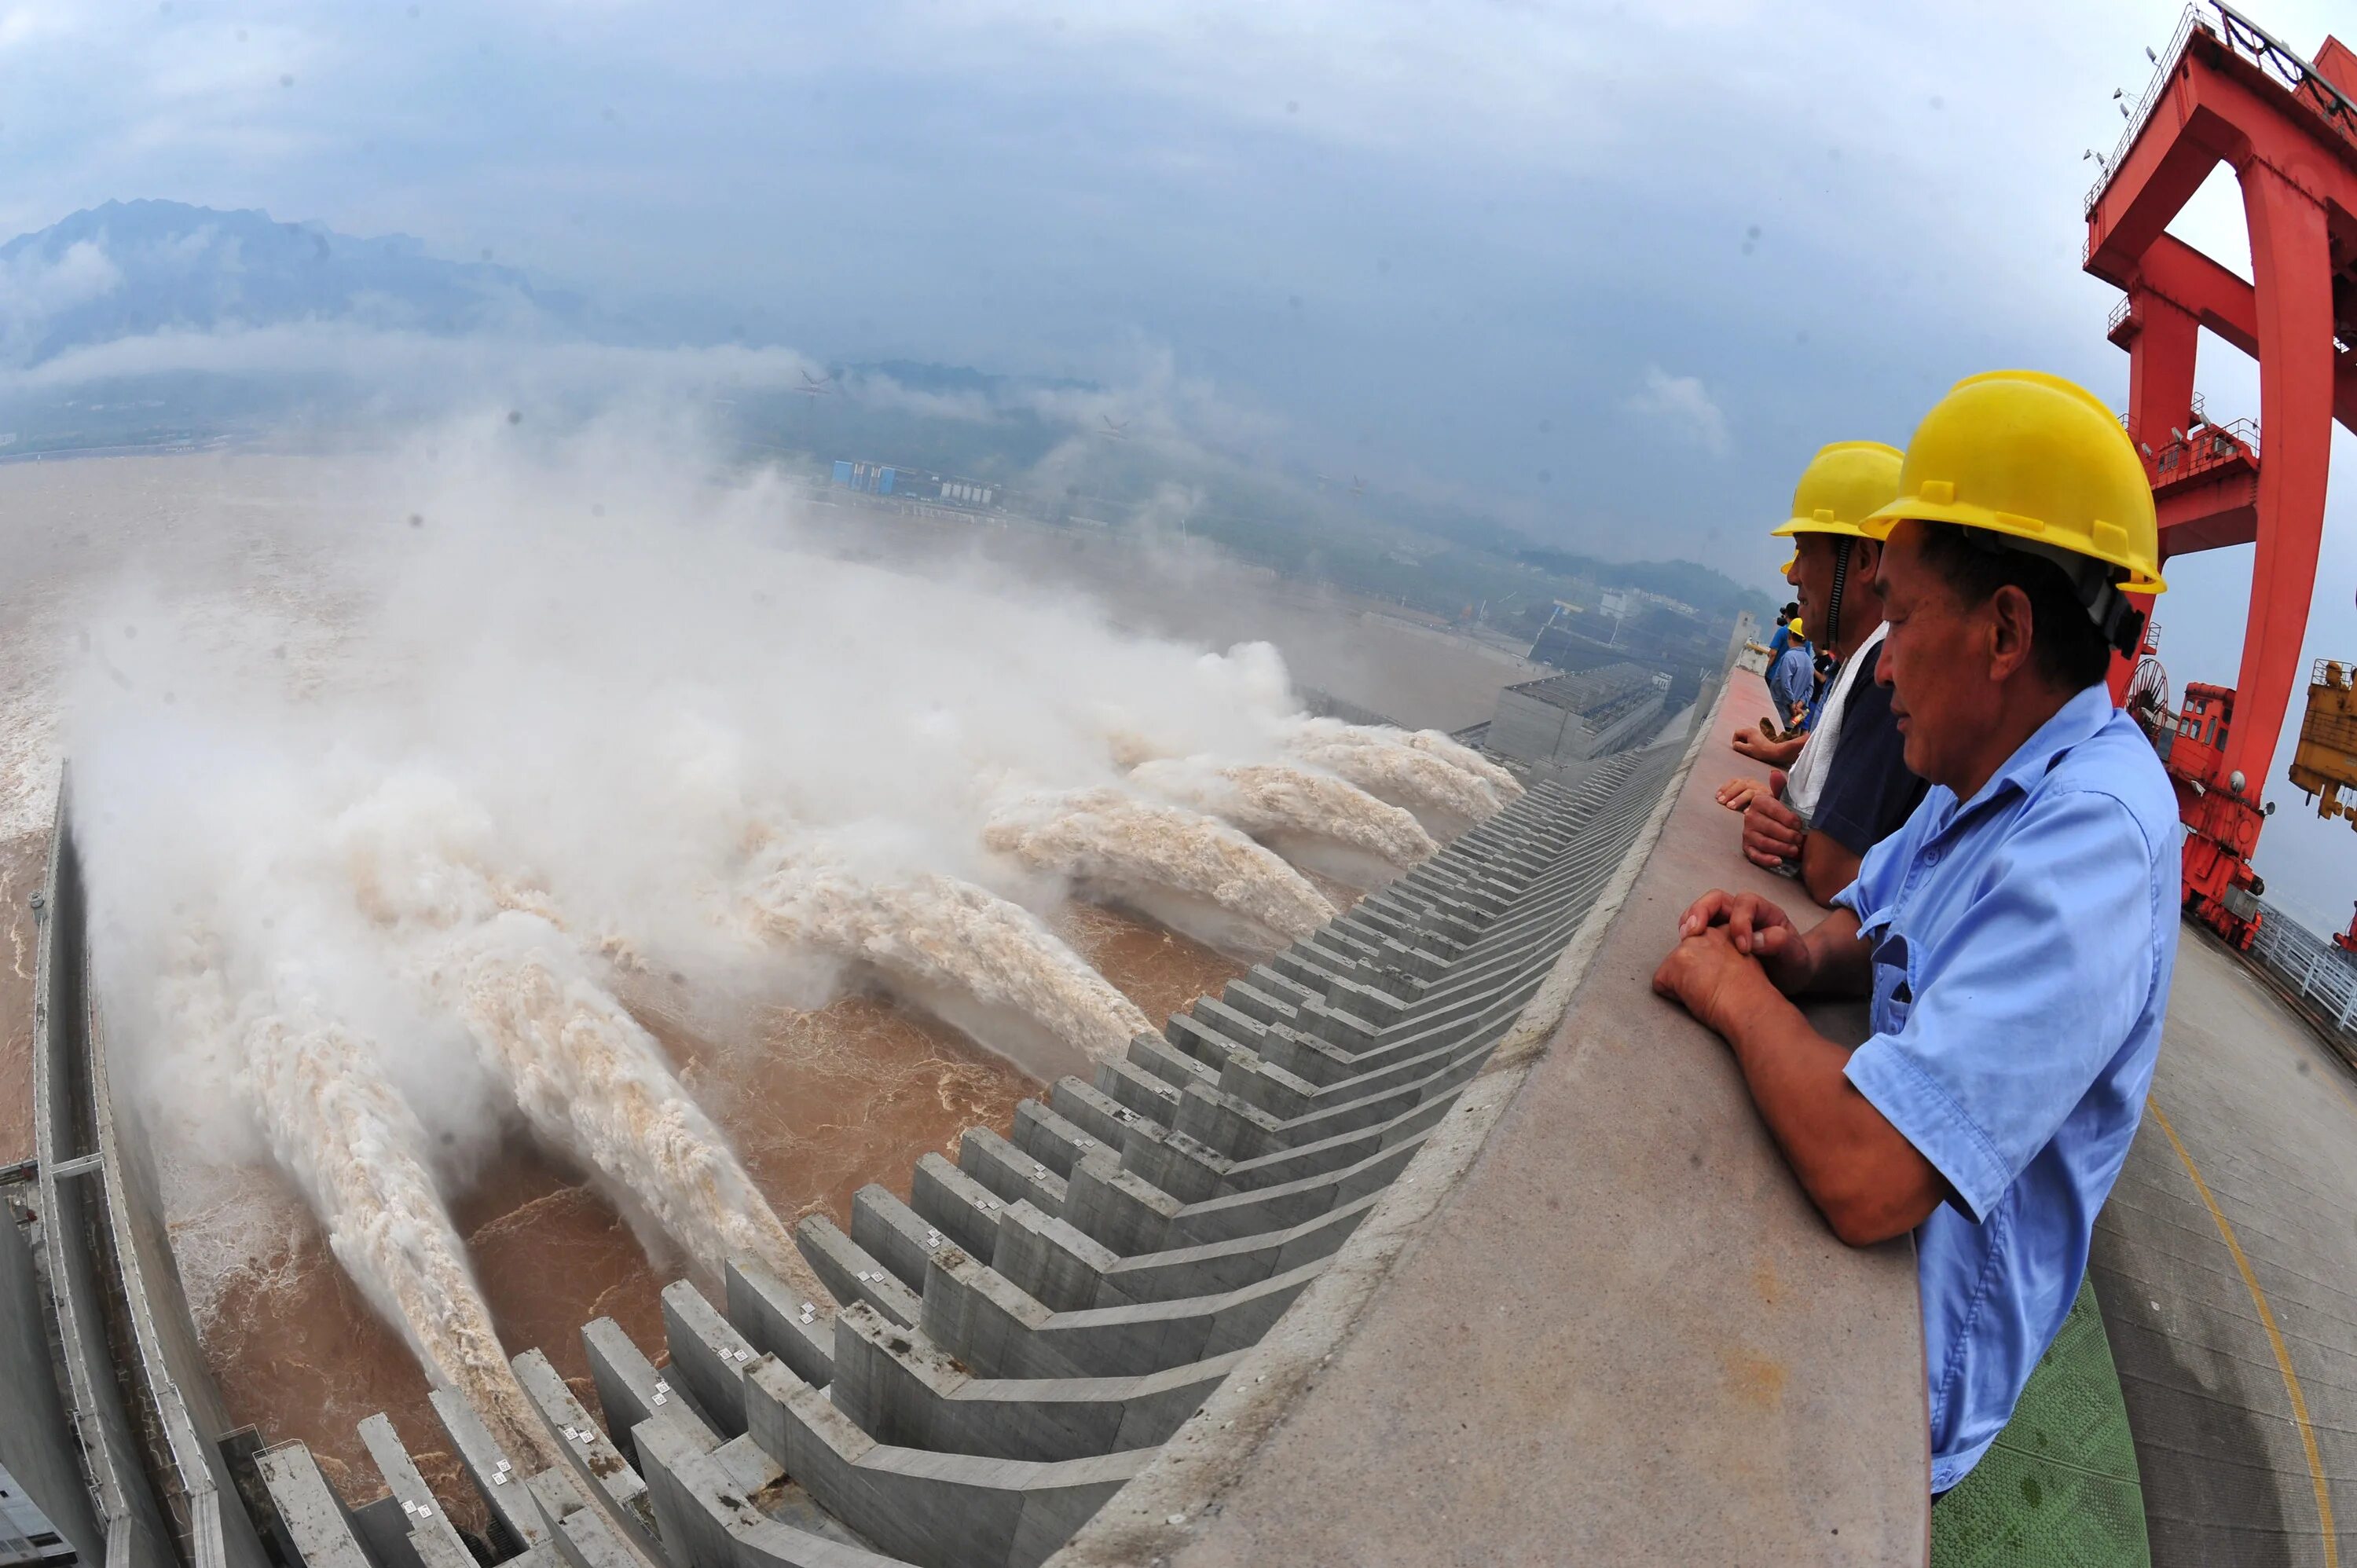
{"points": [[1600, 1184]]}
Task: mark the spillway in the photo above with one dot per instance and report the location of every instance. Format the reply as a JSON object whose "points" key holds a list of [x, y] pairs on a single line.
{"points": [[1422, 1177]]}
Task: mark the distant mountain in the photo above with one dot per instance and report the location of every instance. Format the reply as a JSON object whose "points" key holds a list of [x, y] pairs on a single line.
{"points": [[130, 268]]}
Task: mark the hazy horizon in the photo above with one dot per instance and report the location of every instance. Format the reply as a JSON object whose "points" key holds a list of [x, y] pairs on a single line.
{"points": [[1607, 276]]}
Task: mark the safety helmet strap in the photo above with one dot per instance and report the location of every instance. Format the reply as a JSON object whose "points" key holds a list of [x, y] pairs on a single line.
{"points": [[1842, 545]]}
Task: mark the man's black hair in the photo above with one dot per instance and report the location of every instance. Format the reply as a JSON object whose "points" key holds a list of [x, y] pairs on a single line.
{"points": [[2065, 645], [1792, 608]]}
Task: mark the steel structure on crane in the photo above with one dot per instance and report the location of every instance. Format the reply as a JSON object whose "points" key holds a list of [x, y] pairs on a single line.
{"points": [[2228, 93]]}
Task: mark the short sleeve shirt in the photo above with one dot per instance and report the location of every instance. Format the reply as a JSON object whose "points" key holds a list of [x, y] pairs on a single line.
{"points": [[1867, 792], [2023, 944]]}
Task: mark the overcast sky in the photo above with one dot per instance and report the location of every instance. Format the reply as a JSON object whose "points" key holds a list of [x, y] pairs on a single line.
{"points": [[1621, 268]]}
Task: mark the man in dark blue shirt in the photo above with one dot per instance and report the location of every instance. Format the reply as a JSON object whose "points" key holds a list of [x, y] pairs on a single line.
{"points": [[1849, 787]]}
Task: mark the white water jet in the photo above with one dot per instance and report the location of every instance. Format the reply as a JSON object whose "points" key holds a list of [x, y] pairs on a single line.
{"points": [[985, 964], [357, 1152], [1312, 819], [1449, 750], [592, 1082], [1445, 798], [1188, 871], [588, 1078]]}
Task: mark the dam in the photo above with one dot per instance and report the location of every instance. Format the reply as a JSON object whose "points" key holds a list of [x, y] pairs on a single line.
{"points": [[1433, 1237]]}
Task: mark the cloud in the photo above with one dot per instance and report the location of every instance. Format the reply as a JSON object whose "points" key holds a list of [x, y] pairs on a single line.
{"points": [[33, 288], [1685, 406]]}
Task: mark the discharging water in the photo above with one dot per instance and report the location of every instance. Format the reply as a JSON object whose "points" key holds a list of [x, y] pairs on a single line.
{"points": [[817, 1105]]}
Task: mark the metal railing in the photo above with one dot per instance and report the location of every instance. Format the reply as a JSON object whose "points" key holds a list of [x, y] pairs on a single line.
{"points": [[2311, 968], [2205, 447], [2195, 15], [2308, 84], [2254, 43]]}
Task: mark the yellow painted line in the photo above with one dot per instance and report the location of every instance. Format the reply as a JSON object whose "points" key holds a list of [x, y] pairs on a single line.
{"points": [[2274, 1337]]}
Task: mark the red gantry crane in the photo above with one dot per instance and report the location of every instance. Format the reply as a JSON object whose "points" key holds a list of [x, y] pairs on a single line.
{"points": [[2227, 93]]}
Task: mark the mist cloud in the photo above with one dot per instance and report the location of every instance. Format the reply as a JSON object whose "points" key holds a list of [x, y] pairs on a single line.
{"points": [[1685, 405]]}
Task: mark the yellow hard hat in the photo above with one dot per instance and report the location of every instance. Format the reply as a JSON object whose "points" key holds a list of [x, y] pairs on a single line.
{"points": [[2034, 457], [1794, 624], [1786, 569], [1843, 483]]}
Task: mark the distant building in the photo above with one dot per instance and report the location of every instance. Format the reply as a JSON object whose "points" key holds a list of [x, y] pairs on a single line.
{"points": [[875, 478], [1571, 718], [1619, 602], [884, 479]]}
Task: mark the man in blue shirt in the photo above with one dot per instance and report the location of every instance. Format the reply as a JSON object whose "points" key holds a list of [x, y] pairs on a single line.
{"points": [[1790, 681], [2017, 936]]}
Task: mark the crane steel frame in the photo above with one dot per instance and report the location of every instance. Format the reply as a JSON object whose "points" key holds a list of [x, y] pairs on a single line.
{"points": [[2229, 93]]}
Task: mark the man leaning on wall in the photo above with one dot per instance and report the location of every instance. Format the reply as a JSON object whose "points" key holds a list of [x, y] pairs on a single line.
{"points": [[2017, 936], [1848, 786]]}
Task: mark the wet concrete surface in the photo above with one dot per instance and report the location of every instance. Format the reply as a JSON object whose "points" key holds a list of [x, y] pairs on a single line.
{"points": [[2267, 1115]]}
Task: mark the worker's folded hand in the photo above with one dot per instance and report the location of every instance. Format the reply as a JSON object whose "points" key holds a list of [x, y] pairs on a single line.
{"points": [[1736, 793], [1714, 981], [1772, 831], [1757, 928]]}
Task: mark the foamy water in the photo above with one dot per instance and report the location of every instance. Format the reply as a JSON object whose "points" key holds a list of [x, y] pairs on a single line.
{"points": [[960, 950], [1265, 798], [1384, 764], [357, 1153], [1123, 844], [1455, 752], [594, 1083]]}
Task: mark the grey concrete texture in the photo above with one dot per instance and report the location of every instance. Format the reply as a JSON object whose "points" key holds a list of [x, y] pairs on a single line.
{"points": [[631, 1390], [73, 1212], [951, 1511], [2267, 1115], [312, 1525], [138, 1384], [1476, 1379], [707, 1355], [710, 1521], [432, 1538], [516, 1524], [905, 1390], [777, 1321], [37, 1444], [595, 1460]]}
